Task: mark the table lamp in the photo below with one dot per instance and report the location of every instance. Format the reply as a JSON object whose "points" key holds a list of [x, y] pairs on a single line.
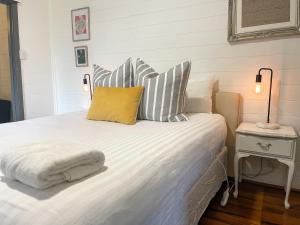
{"points": [[258, 89], [87, 84]]}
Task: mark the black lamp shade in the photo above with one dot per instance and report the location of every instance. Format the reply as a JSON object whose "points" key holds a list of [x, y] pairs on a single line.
{"points": [[85, 81], [258, 78]]}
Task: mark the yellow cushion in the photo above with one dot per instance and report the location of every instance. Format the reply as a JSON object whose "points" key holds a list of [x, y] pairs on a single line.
{"points": [[115, 104]]}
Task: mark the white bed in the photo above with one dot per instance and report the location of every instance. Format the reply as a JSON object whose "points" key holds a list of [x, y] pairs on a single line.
{"points": [[153, 171]]}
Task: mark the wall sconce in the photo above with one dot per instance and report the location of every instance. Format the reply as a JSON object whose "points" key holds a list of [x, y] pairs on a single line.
{"points": [[259, 89], [87, 84]]}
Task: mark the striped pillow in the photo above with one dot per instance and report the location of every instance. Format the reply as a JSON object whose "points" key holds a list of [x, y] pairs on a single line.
{"points": [[121, 77], [164, 94]]}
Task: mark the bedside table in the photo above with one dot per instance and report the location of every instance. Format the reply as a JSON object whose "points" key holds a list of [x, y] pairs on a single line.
{"points": [[277, 144]]}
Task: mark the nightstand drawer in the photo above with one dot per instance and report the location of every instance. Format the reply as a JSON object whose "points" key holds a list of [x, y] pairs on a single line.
{"points": [[265, 146]]}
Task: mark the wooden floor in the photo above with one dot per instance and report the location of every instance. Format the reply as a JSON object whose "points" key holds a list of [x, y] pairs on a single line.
{"points": [[255, 205]]}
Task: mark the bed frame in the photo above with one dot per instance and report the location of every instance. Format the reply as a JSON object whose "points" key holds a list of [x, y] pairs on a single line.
{"points": [[204, 189], [198, 198]]}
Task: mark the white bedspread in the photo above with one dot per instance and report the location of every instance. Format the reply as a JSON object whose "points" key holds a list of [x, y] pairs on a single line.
{"points": [[150, 166]]}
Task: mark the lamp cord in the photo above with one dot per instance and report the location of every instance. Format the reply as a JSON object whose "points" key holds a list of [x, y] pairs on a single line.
{"points": [[260, 171]]}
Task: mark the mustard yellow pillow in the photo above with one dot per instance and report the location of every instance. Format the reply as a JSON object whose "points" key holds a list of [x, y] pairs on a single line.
{"points": [[115, 104]]}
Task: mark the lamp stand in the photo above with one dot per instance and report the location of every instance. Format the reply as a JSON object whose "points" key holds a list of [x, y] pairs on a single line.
{"points": [[267, 125]]}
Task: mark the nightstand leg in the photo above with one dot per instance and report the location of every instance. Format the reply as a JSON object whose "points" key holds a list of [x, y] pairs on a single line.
{"points": [[240, 170], [291, 166], [237, 157], [289, 184], [236, 175]]}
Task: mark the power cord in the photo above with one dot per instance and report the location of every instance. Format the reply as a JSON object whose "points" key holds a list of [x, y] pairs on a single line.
{"points": [[225, 196], [260, 171]]}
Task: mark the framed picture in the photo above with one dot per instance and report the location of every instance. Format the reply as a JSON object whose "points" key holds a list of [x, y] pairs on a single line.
{"points": [[81, 56], [255, 19], [81, 24]]}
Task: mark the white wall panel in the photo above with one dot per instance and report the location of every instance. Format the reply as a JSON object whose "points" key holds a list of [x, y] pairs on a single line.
{"points": [[34, 17], [166, 32]]}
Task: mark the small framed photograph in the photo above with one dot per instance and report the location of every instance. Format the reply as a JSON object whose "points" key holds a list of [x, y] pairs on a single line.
{"points": [[81, 56], [81, 24]]}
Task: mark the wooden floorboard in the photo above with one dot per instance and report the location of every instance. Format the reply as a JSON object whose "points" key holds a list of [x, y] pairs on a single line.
{"points": [[255, 205]]}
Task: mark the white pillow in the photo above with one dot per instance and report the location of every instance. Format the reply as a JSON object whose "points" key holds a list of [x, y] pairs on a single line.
{"points": [[199, 95]]}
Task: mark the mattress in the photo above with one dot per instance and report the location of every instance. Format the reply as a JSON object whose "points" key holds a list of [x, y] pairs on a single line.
{"points": [[150, 167]]}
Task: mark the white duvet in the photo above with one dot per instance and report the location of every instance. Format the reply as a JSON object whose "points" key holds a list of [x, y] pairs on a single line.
{"points": [[150, 166]]}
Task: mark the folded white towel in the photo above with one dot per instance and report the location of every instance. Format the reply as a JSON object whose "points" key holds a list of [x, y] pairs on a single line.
{"points": [[42, 165]]}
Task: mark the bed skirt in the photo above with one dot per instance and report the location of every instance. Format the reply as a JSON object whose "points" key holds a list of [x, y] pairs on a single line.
{"points": [[205, 188]]}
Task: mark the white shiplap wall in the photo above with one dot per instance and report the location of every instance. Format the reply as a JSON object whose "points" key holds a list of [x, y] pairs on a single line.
{"points": [[34, 32], [166, 32]]}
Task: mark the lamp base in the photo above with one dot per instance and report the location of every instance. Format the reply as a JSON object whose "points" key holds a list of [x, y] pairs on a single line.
{"points": [[270, 126]]}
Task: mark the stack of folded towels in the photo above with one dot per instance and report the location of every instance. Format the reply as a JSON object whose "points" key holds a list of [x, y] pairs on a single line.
{"points": [[45, 164]]}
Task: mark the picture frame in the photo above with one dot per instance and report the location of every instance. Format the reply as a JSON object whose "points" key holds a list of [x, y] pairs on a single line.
{"points": [[255, 19], [81, 56], [80, 24]]}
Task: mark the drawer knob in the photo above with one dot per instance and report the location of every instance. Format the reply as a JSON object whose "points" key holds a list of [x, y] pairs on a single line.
{"points": [[265, 147]]}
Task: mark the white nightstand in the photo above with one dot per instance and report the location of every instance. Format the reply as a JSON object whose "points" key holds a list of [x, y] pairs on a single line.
{"points": [[276, 144]]}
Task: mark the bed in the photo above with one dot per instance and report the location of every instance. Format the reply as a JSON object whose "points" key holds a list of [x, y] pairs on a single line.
{"points": [[156, 173]]}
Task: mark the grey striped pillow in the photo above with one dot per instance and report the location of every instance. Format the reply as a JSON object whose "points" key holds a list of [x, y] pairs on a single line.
{"points": [[121, 77], [164, 94]]}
